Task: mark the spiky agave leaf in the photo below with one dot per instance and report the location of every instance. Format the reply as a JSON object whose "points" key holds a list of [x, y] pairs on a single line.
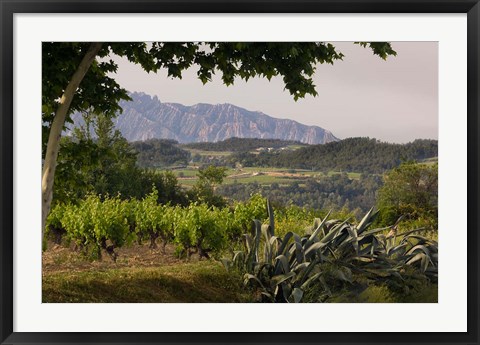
{"points": [[278, 279], [284, 247], [271, 217], [318, 228], [297, 295], [297, 251], [252, 254], [367, 220], [333, 233], [267, 245], [281, 265]]}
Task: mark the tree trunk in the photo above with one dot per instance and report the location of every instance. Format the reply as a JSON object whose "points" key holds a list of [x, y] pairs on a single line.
{"points": [[56, 128], [153, 238]]}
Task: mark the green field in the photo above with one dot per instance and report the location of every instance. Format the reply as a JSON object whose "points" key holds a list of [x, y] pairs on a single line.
{"points": [[351, 175], [264, 176], [188, 172], [261, 179], [208, 153]]}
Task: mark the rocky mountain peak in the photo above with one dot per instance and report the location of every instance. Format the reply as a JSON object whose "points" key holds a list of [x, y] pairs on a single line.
{"points": [[146, 117]]}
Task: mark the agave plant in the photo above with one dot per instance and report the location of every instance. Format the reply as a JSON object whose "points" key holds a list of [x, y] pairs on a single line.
{"points": [[371, 252], [285, 267], [282, 267]]}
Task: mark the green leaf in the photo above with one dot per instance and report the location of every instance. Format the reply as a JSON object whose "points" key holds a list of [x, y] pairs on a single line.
{"points": [[415, 258], [310, 280], [366, 220], [249, 277], [284, 246], [271, 217], [313, 248], [297, 295], [278, 279], [318, 228], [281, 265]]}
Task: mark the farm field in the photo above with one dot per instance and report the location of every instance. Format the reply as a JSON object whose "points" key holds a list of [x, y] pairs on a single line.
{"points": [[187, 177], [208, 153]]}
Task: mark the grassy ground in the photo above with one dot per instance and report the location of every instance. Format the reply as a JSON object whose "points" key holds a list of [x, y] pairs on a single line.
{"points": [[208, 153], [351, 175], [260, 179], [137, 278], [190, 282]]}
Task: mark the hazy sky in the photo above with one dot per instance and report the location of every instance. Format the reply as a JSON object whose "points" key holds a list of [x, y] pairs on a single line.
{"points": [[394, 100]]}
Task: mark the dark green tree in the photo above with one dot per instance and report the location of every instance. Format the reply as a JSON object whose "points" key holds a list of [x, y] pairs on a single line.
{"points": [[212, 175], [97, 159], [410, 191], [208, 179], [155, 153]]}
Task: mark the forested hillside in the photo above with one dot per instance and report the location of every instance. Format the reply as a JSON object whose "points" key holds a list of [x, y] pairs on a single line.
{"points": [[353, 154], [242, 144], [154, 153], [334, 192], [362, 155]]}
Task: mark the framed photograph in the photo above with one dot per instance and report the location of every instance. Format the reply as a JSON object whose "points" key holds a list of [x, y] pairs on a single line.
{"points": [[239, 172]]}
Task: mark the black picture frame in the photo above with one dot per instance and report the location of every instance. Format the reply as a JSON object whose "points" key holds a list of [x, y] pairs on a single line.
{"points": [[9, 7]]}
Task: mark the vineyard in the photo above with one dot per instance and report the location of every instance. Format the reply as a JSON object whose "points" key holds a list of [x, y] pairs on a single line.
{"points": [[288, 254]]}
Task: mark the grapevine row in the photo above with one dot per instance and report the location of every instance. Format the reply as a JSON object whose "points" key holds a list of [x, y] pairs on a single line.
{"points": [[96, 224]]}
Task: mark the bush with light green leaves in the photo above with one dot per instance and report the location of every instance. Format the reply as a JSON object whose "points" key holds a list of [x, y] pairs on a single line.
{"points": [[94, 225], [198, 229], [54, 227], [247, 211], [154, 221], [111, 225]]}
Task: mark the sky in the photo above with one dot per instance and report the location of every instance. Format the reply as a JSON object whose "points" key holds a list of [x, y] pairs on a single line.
{"points": [[361, 96]]}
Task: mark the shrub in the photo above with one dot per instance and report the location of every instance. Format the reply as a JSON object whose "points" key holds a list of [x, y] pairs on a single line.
{"points": [[197, 230], [154, 220], [54, 226], [94, 225]]}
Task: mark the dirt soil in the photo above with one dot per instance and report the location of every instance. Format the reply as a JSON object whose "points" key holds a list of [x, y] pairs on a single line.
{"points": [[58, 258]]}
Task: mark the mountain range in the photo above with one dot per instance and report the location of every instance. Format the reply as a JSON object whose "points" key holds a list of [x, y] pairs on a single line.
{"points": [[145, 117]]}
